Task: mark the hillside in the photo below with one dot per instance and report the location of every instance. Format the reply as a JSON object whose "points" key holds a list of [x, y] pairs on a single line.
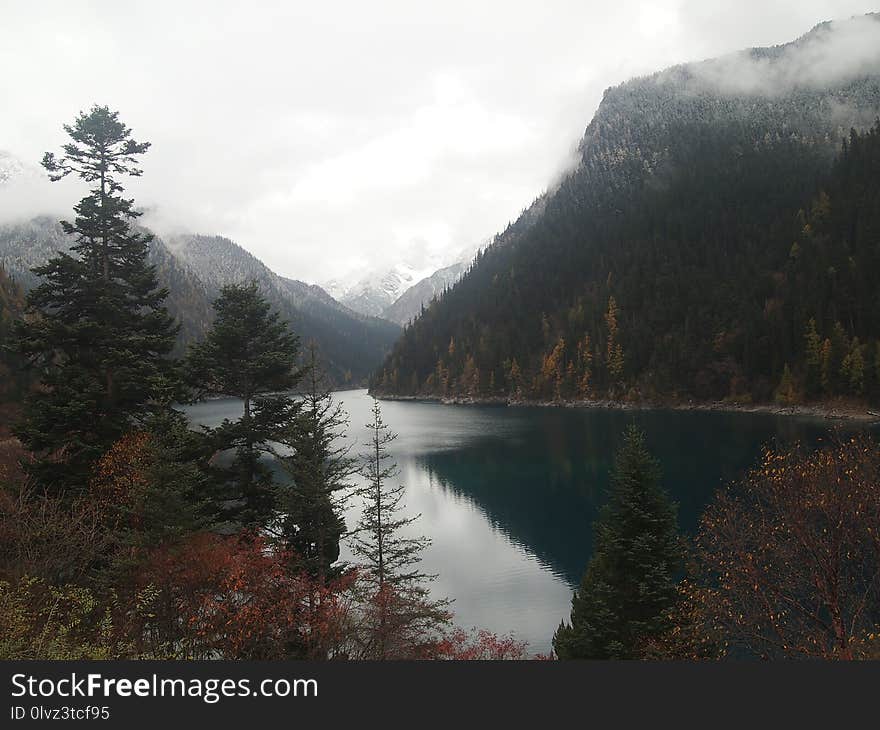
{"points": [[409, 305], [703, 228], [194, 268], [11, 308], [31, 243], [350, 343]]}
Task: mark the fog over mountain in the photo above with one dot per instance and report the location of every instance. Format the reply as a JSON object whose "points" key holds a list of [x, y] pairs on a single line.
{"points": [[337, 140], [714, 213]]}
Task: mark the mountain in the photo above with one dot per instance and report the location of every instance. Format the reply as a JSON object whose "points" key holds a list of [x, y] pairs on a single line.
{"points": [[194, 268], [398, 294], [409, 304], [27, 244], [373, 293], [715, 239], [350, 343], [10, 168]]}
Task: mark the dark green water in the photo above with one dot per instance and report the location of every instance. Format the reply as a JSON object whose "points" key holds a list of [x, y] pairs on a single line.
{"points": [[509, 495]]}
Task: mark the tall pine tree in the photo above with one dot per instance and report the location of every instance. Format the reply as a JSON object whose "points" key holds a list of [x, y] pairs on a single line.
{"points": [[98, 331], [319, 468], [400, 616], [631, 579], [249, 353]]}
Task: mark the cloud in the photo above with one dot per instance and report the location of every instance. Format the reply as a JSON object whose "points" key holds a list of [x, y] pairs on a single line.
{"points": [[328, 138], [832, 53]]}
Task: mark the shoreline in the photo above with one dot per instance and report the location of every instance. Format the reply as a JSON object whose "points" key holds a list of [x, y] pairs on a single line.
{"points": [[861, 414]]}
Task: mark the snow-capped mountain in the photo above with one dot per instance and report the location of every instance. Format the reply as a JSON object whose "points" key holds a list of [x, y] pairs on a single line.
{"points": [[409, 304], [371, 294], [10, 167], [194, 268], [377, 293], [13, 170]]}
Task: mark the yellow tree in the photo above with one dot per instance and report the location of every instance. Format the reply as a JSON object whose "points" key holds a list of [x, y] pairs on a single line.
{"points": [[585, 360], [614, 352]]}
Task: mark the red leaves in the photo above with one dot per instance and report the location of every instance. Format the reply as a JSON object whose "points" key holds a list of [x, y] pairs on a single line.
{"points": [[235, 597], [479, 645]]}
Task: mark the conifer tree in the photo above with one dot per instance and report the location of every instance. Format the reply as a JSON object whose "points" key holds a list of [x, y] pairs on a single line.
{"points": [[400, 615], [630, 581], [853, 368], [99, 332], [813, 359], [311, 501], [613, 350], [152, 489], [248, 353], [786, 392]]}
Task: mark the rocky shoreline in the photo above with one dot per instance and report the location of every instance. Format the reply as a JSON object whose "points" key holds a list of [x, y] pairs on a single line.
{"points": [[837, 411]]}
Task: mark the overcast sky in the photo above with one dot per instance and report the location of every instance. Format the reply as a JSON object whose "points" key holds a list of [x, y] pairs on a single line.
{"points": [[331, 138]]}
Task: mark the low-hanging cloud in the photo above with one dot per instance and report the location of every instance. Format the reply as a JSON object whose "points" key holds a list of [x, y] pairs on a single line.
{"points": [[333, 139], [833, 53]]}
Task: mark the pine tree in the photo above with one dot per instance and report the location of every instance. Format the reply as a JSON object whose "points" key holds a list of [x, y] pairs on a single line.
{"points": [[826, 368], [311, 501], [631, 580], [153, 489], [248, 353], [786, 392], [585, 358], [400, 615], [813, 359], [99, 331], [614, 359], [853, 368]]}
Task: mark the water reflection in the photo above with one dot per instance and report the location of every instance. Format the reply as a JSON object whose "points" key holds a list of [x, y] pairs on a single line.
{"points": [[509, 495]]}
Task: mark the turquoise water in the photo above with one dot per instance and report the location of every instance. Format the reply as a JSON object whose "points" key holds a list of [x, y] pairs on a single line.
{"points": [[508, 495]]}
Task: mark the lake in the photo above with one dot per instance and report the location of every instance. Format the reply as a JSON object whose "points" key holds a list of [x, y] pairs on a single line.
{"points": [[508, 495]]}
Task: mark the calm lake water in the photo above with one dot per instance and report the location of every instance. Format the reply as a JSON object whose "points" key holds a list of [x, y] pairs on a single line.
{"points": [[508, 495]]}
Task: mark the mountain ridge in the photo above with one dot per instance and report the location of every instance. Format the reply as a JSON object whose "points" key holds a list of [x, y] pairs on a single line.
{"points": [[681, 183], [194, 268]]}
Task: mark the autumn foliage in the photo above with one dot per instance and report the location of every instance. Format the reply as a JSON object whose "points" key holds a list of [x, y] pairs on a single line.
{"points": [[793, 554], [233, 597]]}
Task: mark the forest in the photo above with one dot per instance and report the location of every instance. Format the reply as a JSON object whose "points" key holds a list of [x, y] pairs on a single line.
{"points": [[743, 272], [125, 533]]}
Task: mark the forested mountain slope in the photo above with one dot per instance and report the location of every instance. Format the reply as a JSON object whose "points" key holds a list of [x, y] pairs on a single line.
{"points": [[11, 308], [31, 243], [350, 343], [705, 226], [194, 268], [409, 305]]}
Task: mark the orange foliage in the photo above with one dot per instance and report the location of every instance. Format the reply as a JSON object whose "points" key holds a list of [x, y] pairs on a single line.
{"points": [[479, 645], [234, 597], [121, 474], [794, 552]]}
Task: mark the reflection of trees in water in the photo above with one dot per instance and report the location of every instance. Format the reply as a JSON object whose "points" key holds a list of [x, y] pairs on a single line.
{"points": [[542, 491], [543, 488]]}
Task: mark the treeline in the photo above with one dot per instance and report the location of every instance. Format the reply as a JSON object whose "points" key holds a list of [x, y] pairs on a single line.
{"points": [[194, 269], [742, 272], [785, 563], [12, 381], [124, 534]]}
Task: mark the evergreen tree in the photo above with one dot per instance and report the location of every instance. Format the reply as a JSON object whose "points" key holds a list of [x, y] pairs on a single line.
{"points": [[813, 359], [312, 500], [614, 351], [400, 615], [99, 331], [786, 392], [630, 582], [248, 353], [853, 368], [152, 489]]}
